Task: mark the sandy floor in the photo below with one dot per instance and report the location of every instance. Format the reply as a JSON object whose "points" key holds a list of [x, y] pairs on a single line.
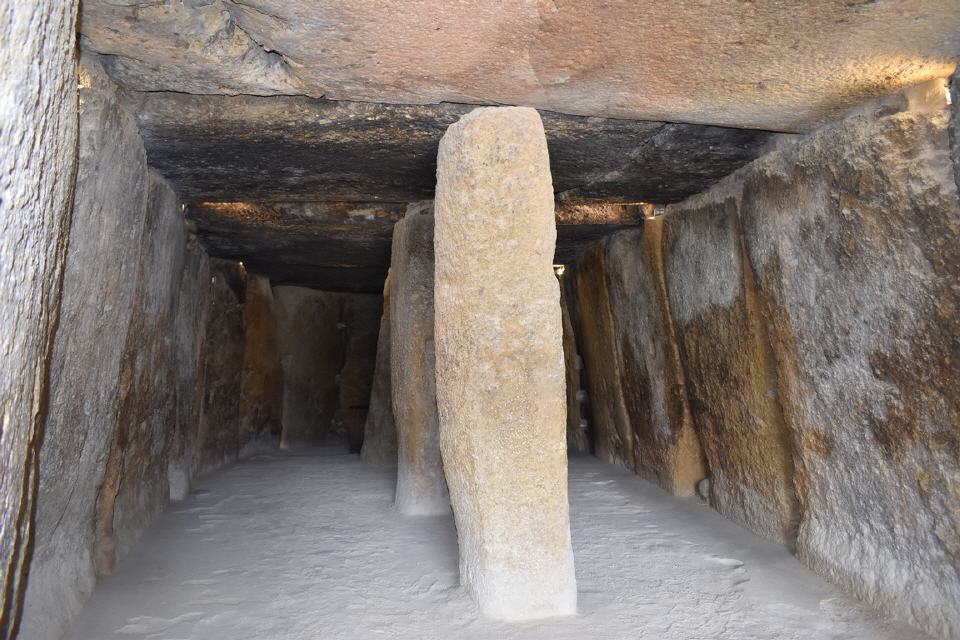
{"points": [[287, 546]]}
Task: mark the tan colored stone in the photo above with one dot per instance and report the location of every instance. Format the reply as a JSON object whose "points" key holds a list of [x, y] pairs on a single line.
{"points": [[637, 392], [421, 487], [784, 65], [730, 371], [500, 378], [854, 236], [261, 383], [380, 430]]}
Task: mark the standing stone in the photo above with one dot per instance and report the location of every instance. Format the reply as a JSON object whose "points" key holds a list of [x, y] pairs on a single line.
{"points": [[38, 149], [500, 374], [380, 431], [421, 487], [360, 318], [261, 382]]}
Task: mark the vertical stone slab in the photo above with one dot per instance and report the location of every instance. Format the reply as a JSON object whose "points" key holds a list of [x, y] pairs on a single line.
{"points": [[380, 431], [421, 487], [577, 436], [360, 319], [500, 374], [854, 236], [261, 383], [100, 273], [218, 433], [665, 445], [730, 371], [38, 137], [312, 354]]}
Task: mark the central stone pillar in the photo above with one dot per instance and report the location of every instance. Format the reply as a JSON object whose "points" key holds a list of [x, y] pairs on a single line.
{"points": [[499, 364]]}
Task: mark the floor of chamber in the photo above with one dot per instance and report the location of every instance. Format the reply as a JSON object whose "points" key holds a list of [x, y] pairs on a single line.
{"points": [[308, 546]]}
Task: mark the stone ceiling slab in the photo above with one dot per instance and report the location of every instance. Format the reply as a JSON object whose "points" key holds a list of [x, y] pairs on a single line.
{"points": [[346, 246], [785, 65], [243, 148]]}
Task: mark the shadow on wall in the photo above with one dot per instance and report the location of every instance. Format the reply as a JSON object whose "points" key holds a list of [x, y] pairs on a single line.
{"points": [[327, 344]]}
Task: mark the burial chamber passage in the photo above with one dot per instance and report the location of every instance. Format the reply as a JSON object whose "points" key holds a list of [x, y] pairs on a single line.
{"points": [[367, 343]]}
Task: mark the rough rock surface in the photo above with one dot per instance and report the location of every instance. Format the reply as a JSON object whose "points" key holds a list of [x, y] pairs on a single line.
{"points": [[360, 318], [261, 382], [730, 371], [99, 284], [218, 433], [577, 435], [571, 57], [38, 137], [135, 485], [852, 235], [213, 149], [421, 487], [500, 378], [636, 384], [312, 354], [380, 429]]}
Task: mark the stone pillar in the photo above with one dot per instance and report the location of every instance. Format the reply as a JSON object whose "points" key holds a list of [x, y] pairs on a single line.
{"points": [[500, 373], [421, 487], [380, 432]]}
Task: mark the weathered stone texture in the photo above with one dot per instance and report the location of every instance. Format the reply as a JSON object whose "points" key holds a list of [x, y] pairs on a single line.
{"points": [[360, 318], [135, 484], [954, 89], [499, 355], [218, 437], [99, 284], [853, 237], [730, 374], [312, 352], [38, 135], [575, 58], [638, 398], [577, 434], [261, 382], [421, 486], [380, 430]]}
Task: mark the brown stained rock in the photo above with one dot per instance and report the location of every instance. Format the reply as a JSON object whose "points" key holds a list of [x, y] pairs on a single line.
{"points": [[730, 371], [360, 317], [592, 315], [261, 383], [861, 306], [312, 349], [191, 341], [99, 274], [500, 378], [577, 437], [135, 484], [218, 436], [380, 430], [421, 487], [579, 57], [38, 149], [634, 366]]}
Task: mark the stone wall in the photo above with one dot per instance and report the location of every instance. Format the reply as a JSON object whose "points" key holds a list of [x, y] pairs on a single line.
{"points": [[380, 430], [126, 367], [38, 108], [637, 397], [261, 384], [327, 345], [815, 293]]}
